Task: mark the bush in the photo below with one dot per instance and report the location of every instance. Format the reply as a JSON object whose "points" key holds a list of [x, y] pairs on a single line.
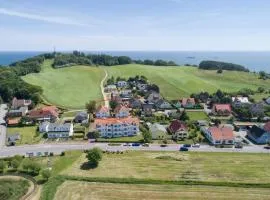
{"points": [[46, 173], [2, 165], [31, 167]]}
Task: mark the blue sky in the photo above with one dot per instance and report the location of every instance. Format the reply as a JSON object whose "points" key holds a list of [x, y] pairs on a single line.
{"points": [[168, 25]]}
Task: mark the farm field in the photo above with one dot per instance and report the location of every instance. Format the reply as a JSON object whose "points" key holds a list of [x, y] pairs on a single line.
{"points": [[176, 82], [224, 167], [69, 87], [28, 134], [108, 191]]}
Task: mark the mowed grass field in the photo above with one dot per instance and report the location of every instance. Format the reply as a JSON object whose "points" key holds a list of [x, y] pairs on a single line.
{"points": [[69, 87], [197, 115], [224, 167], [177, 82], [75, 190]]}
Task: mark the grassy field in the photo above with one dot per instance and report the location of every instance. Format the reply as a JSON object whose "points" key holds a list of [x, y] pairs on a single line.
{"points": [[12, 189], [197, 115], [108, 191], [137, 138], [229, 167], [28, 134], [69, 87], [176, 82]]}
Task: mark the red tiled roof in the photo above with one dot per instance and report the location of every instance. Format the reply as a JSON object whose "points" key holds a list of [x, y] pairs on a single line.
{"points": [[177, 125], [267, 127], [103, 109], [120, 108], [45, 111], [222, 107], [127, 120], [185, 101], [14, 121], [223, 133]]}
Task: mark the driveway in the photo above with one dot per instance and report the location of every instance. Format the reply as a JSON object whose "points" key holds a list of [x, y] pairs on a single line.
{"points": [[3, 129]]}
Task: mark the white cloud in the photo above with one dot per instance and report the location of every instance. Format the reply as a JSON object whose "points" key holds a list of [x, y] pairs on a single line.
{"points": [[50, 19]]}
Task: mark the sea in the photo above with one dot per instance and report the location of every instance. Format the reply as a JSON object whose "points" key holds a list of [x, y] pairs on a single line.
{"points": [[254, 61]]}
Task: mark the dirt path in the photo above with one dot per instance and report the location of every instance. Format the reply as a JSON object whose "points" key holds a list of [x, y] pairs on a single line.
{"points": [[106, 102]]}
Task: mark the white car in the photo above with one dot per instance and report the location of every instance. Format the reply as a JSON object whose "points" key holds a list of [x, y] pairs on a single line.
{"points": [[196, 145]]}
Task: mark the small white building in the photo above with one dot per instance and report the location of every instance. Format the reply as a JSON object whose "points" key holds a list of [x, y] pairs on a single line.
{"points": [[238, 101], [54, 130]]}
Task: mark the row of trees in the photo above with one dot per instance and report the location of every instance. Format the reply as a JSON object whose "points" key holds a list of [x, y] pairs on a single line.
{"points": [[62, 60], [217, 65], [11, 83]]}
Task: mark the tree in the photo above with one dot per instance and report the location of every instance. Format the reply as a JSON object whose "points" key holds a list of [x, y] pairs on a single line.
{"points": [[261, 89], [113, 104], [219, 71], [31, 167], [2, 165], [93, 135], [262, 75], [91, 106], [184, 116], [46, 173], [147, 137], [15, 164], [94, 156]]}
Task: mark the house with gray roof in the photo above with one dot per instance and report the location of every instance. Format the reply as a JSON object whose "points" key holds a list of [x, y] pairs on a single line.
{"points": [[81, 117], [260, 134], [55, 130]]}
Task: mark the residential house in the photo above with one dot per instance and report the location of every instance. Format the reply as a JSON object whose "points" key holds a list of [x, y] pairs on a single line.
{"points": [[219, 136], [122, 84], [117, 127], [121, 111], [162, 105], [239, 101], [267, 101], [110, 88], [22, 111], [154, 97], [178, 129], [3, 112], [17, 103], [142, 86], [135, 103], [148, 109], [260, 134], [13, 121], [158, 131], [81, 117], [55, 130], [257, 109], [47, 113], [177, 104], [188, 102], [102, 112], [222, 109]]}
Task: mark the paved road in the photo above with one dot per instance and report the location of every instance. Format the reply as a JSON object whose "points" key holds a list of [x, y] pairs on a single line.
{"points": [[106, 102], [3, 129], [58, 148]]}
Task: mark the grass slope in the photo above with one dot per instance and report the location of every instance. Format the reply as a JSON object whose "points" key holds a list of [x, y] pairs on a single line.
{"points": [[69, 87], [176, 82], [85, 190], [227, 167]]}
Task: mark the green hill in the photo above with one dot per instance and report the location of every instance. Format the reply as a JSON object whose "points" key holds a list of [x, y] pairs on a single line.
{"points": [[72, 87], [177, 82], [69, 87]]}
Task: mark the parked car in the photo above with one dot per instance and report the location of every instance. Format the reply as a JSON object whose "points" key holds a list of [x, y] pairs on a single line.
{"points": [[126, 145], [238, 146], [136, 144], [146, 145], [183, 149], [196, 145], [267, 147], [163, 145], [187, 145]]}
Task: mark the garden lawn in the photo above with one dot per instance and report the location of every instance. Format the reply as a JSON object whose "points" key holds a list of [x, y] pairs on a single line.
{"points": [[109, 191], [227, 167], [28, 134], [176, 82], [69, 87], [197, 115]]}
